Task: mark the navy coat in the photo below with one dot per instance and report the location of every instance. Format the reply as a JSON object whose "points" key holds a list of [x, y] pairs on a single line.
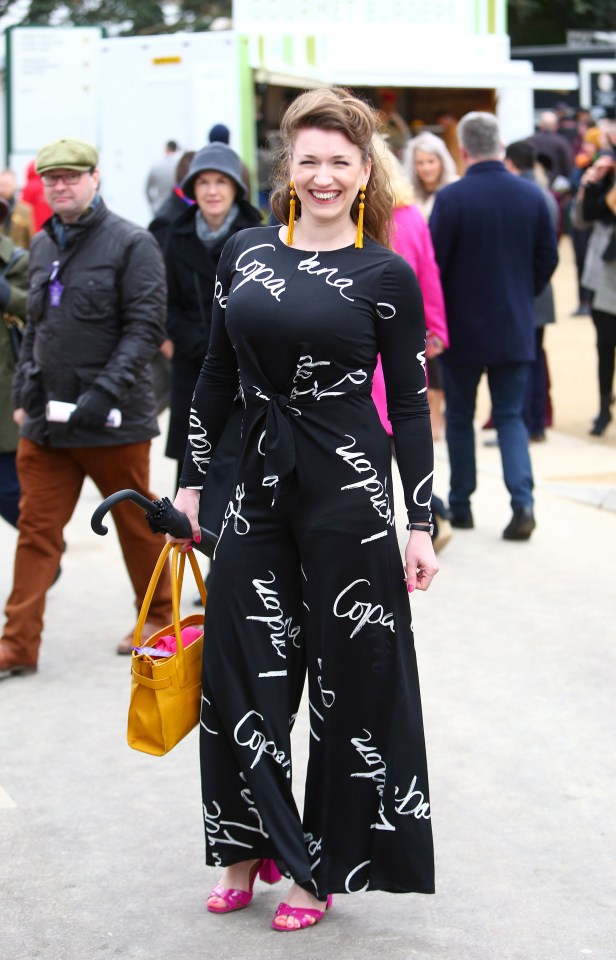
{"points": [[496, 249]]}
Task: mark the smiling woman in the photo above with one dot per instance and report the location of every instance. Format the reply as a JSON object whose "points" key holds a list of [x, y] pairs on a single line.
{"points": [[310, 535]]}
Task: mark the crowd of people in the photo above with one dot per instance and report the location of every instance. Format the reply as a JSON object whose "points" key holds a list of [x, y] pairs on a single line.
{"points": [[302, 353]]}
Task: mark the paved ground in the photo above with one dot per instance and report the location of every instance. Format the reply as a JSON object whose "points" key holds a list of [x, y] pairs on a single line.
{"points": [[101, 847]]}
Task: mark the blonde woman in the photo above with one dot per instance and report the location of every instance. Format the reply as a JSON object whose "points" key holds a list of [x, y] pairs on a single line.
{"points": [[411, 238], [429, 167]]}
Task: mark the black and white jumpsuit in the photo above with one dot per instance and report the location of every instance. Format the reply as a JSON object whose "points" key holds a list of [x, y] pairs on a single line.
{"points": [[307, 574]]}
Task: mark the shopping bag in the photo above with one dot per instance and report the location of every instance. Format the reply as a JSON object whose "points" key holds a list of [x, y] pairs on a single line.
{"points": [[165, 697]]}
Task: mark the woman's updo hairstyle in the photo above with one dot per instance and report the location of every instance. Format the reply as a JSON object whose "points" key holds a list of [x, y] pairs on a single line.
{"points": [[334, 108]]}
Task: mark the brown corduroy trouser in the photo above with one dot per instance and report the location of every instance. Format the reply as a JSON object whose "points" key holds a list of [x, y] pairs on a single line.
{"points": [[51, 479]]}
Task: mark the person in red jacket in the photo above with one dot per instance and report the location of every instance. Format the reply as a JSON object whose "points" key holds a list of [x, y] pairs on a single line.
{"points": [[33, 194]]}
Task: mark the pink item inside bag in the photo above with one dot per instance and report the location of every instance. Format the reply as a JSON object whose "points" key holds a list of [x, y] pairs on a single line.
{"points": [[168, 644]]}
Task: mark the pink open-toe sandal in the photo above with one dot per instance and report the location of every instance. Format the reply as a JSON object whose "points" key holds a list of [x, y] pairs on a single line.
{"points": [[305, 916], [238, 899]]}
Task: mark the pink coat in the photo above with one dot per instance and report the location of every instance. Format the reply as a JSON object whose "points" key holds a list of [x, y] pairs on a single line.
{"points": [[411, 239]]}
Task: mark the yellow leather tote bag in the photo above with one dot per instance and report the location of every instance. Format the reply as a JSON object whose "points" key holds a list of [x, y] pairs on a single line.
{"points": [[165, 697]]}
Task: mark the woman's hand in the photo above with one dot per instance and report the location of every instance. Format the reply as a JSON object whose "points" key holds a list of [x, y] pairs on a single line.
{"points": [[19, 416], [434, 345], [421, 566], [166, 348], [599, 169], [187, 501]]}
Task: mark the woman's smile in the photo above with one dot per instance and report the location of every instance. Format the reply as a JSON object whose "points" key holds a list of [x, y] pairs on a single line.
{"points": [[325, 195]]}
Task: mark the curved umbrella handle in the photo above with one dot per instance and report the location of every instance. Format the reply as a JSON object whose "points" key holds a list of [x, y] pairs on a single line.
{"points": [[162, 517], [103, 508]]}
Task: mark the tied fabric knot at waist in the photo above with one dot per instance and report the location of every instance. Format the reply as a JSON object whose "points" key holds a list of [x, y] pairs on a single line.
{"points": [[278, 445], [277, 442]]}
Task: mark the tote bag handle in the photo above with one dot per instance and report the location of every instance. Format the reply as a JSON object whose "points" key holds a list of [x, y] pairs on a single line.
{"points": [[178, 562]]}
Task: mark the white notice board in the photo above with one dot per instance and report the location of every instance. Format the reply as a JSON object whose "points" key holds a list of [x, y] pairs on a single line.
{"points": [[52, 80]]}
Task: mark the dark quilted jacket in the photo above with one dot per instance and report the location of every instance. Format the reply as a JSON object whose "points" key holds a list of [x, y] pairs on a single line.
{"points": [[105, 330]]}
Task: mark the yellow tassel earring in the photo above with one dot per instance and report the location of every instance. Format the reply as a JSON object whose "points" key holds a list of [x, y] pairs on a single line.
{"points": [[359, 237], [291, 215]]}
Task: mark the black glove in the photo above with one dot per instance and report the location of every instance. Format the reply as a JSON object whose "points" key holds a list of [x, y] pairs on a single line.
{"points": [[92, 409]]}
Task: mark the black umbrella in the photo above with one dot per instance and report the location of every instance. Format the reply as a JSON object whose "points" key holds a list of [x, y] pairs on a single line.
{"points": [[162, 517]]}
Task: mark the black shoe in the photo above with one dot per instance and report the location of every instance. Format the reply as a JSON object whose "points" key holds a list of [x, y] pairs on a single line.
{"points": [[462, 521], [521, 525], [603, 418], [582, 311], [539, 437]]}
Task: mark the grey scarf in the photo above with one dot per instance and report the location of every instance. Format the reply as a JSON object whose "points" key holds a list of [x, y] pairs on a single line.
{"points": [[209, 237]]}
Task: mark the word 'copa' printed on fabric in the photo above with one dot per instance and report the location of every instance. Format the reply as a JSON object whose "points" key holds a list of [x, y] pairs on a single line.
{"points": [[379, 496], [279, 626], [247, 735], [256, 271], [362, 612]]}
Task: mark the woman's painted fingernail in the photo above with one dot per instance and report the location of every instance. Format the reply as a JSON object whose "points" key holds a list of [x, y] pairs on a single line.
{"points": [[197, 539], [410, 587]]}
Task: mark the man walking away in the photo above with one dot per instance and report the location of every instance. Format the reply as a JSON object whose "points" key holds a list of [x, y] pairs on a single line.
{"points": [[496, 250]]}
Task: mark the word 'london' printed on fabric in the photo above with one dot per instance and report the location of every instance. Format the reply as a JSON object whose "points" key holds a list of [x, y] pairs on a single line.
{"points": [[280, 627], [379, 496]]}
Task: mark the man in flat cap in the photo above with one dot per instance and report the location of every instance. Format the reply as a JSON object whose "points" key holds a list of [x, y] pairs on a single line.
{"points": [[95, 318]]}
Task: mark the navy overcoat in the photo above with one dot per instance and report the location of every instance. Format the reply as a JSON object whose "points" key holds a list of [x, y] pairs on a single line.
{"points": [[496, 249]]}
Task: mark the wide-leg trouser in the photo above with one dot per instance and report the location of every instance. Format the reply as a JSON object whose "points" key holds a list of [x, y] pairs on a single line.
{"points": [[292, 590], [51, 479]]}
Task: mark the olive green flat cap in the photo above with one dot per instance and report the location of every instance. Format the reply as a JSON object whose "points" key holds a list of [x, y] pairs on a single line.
{"points": [[69, 154]]}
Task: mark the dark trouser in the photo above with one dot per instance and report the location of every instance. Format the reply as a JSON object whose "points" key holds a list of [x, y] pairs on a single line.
{"points": [[536, 397], [579, 239], [605, 325], [9, 488], [51, 481], [507, 384]]}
